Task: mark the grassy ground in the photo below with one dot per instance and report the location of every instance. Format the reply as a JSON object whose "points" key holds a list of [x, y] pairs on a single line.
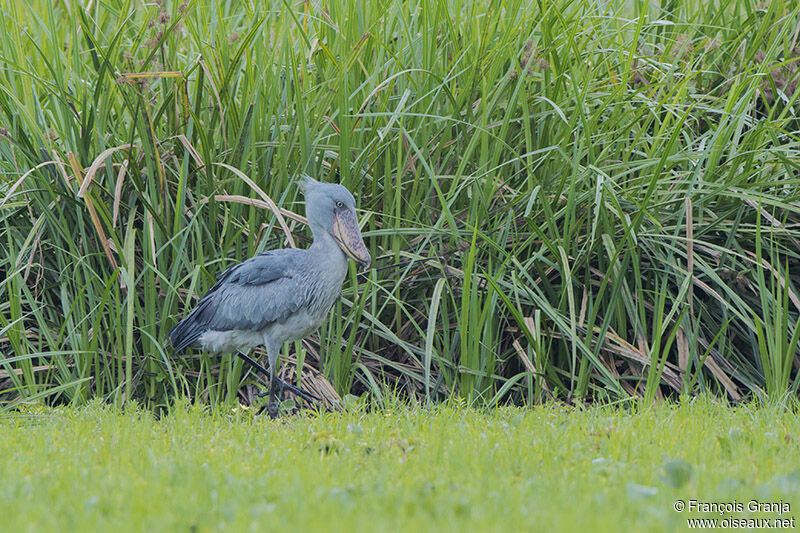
{"points": [[409, 469]]}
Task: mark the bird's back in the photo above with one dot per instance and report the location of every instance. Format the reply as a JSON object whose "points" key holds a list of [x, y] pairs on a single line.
{"points": [[286, 292]]}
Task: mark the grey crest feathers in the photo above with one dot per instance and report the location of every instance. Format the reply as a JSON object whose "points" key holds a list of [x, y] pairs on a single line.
{"points": [[306, 181]]}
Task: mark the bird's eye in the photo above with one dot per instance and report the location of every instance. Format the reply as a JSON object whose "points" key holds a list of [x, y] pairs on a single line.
{"points": [[339, 205]]}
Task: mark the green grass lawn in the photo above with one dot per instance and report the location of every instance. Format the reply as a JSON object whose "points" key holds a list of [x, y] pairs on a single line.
{"points": [[448, 468]]}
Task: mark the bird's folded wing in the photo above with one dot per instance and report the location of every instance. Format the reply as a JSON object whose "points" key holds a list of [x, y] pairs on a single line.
{"points": [[249, 296]]}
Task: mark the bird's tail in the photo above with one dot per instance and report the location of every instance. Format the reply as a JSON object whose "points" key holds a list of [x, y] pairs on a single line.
{"points": [[187, 331]]}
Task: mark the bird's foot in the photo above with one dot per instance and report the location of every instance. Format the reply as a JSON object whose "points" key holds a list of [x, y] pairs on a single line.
{"points": [[307, 396]]}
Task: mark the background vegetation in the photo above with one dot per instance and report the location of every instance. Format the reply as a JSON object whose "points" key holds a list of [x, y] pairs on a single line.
{"points": [[565, 199]]}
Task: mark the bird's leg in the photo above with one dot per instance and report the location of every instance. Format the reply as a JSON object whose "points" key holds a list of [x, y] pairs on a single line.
{"points": [[281, 384], [310, 398], [272, 405]]}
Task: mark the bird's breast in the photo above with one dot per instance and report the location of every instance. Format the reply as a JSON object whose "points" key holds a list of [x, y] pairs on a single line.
{"points": [[296, 326], [325, 287]]}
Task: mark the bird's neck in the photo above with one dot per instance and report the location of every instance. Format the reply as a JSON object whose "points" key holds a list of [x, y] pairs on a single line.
{"points": [[325, 245], [330, 263]]}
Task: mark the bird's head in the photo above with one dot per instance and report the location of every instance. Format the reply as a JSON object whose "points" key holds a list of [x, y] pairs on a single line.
{"points": [[330, 208]]}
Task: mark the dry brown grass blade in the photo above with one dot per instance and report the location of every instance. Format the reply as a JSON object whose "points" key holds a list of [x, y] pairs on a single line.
{"points": [[22, 178], [192, 151], [723, 378], [529, 366], [778, 276], [776, 223], [526, 361], [76, 169], [722, 369], [772, 220], [151, 75], [19, 371], [433, 263], [313, 381], [75, 166], [118, 192], [272, 206], [31, 256], [235, 198], [619, 346], [152, 238], [682, 344], [95, 166], [609, 362], [531, 325], [216, 95], [100, 233], [63, 170], [584, 304]]}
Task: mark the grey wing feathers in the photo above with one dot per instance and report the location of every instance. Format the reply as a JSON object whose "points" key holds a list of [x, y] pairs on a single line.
{"points": [[249, 296]]}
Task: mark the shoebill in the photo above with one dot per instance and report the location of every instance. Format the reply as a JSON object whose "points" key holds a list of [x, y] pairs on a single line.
{"points": [[280, 295]]}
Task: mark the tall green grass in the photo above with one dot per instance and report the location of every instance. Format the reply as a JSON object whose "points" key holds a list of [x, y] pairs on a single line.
{"points": [[565, 199]]}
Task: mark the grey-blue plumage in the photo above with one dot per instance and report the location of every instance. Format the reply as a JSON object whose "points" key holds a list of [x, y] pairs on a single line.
{"points": [[280, 295]]}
